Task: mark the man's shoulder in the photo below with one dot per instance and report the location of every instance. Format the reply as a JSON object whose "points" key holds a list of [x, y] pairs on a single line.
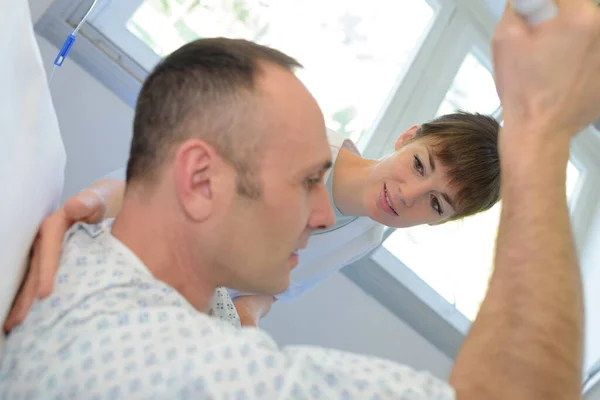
{"points": [[115, 348], [82, 239], [97, 276], [89, 233], [92, 245]]}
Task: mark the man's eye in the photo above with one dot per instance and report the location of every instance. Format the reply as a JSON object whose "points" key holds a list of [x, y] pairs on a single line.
{"points": [[419, 165], [313, 180]]}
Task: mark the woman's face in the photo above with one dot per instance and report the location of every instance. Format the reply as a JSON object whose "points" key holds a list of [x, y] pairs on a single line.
{"points": [[409, 187]]}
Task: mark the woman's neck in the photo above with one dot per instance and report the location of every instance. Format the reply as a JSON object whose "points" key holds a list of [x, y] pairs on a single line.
{"points": [[350, 175]]}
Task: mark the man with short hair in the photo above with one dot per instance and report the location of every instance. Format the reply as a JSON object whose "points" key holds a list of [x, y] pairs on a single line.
{"points": [[226, 138], [114, 327]]}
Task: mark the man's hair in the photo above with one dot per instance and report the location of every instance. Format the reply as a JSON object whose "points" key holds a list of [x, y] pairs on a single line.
{"points": [[202, 90], [467, 145]]}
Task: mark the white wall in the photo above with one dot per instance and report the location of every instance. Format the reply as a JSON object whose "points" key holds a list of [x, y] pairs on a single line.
{"points": [[95, 124], [96, 129], [338, 314]]}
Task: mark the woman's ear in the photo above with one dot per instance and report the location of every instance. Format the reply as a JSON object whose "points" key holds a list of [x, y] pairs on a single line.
{"points": [[411, 133]]}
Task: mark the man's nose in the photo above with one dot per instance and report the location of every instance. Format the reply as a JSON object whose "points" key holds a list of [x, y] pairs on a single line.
{"points": [[322, 215]]}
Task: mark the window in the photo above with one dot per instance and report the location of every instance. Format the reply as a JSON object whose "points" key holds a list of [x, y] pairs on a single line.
{"points": [[573, 175], [353, 51], [472, 90]]}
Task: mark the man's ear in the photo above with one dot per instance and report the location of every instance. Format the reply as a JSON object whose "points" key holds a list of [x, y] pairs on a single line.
{"points": [[411, 133], [196, 163]]}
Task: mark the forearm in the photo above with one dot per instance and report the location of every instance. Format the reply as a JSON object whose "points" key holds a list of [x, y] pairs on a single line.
{"points": [[525, 343], [112, 192]]}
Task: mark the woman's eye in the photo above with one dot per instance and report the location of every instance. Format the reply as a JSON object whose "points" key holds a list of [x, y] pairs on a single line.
{"points": [[435, 204], [419, 165]]}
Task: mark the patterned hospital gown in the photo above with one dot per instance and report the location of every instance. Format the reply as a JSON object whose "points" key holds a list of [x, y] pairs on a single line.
{"points": [[222, 307], [112, 331]]}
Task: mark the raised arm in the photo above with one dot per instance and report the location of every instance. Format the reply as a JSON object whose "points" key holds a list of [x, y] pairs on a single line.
{"points": [[526, 342]]}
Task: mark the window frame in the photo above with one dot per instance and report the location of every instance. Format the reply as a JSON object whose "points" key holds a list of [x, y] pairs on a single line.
{"points": [[93, 52], [116, 25], [459, 26]]}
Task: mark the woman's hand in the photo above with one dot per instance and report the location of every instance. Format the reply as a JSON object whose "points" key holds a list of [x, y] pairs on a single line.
{"points": [[251, 308], [87, 206]]}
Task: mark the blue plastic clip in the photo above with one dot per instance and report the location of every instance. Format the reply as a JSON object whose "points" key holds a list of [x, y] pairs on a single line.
{"points": [[64, 51]]}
